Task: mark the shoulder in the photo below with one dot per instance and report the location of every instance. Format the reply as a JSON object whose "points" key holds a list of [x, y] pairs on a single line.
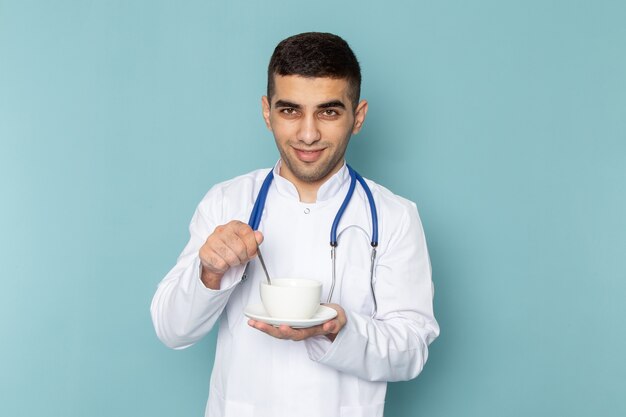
{"points": [[234, 193], [397, 216], [241, 184], [388, 201]]}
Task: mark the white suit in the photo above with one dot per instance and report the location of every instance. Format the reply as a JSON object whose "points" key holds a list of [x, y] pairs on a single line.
{"points": [[257, 375]]}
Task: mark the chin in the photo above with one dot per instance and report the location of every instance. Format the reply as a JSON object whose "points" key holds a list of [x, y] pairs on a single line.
{"points": [[312, 175]]}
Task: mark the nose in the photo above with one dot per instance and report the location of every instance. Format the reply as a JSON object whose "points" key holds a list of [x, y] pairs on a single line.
{"points": [[308, 131]]}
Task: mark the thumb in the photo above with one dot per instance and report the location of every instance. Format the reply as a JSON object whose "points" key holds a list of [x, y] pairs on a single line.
{"points": [[330, 326], [258, 236]]}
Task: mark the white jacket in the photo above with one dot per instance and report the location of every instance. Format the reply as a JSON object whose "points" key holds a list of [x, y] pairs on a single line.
{"points": [[257, 375]]}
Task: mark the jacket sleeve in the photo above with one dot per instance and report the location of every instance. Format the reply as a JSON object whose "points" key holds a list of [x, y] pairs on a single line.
{"points": [[393, 345], [183, 310]]}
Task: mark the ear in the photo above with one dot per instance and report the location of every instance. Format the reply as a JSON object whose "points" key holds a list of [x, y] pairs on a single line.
{"points": [[359, 116], [265, 104]]}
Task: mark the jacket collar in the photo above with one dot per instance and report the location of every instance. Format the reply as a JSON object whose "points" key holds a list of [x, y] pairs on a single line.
{"points": [[328, 190]]}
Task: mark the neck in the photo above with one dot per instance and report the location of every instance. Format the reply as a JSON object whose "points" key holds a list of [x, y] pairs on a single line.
{"points": [[307, 190]]}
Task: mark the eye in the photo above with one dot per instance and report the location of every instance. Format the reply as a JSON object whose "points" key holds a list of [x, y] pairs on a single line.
{"points": [[289, 111], [329, 113]]}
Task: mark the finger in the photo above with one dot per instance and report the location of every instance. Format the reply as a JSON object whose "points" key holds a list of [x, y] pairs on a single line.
{"points": [[285, 332], [227, 253], [302, 334], [214, 263], [213, 253], [266, 328], [212, 260], [237, 246], [248, 238], [282, 332], [290, 333], [224, 248], [331, 326]]}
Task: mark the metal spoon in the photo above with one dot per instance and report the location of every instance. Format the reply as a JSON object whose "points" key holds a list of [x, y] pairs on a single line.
{"points": [[258, 251]]}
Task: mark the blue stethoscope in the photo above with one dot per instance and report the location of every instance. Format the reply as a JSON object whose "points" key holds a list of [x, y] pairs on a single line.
{"points": [[259, 204]]}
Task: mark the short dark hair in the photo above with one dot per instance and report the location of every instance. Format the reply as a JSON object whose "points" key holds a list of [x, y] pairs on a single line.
{"points": [[315, 54]]}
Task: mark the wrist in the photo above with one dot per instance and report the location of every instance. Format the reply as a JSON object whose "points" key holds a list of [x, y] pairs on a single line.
{"points": [[211, 280]]}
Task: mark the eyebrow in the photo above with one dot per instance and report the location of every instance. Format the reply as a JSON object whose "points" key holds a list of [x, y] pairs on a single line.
{"points": [[329, 104], [334, 103], [283, 103]]}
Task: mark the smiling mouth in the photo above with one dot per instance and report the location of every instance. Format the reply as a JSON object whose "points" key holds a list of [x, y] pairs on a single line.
{"points": [[308, 155]]}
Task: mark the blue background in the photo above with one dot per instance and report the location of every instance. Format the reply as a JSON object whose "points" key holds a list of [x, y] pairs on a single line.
{"points": [[504, 120]]}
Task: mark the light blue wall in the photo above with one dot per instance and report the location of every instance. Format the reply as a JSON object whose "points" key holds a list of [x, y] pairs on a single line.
{"points": [[504, 121]]}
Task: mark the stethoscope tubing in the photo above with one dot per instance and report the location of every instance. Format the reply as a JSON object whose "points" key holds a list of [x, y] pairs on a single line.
{"points": [[259, 204]]}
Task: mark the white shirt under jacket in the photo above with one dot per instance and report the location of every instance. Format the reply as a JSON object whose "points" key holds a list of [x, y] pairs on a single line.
{"points": [[257, 375]]}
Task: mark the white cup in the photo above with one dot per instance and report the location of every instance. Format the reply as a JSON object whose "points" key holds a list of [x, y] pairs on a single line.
{"points": [[291, 299]]}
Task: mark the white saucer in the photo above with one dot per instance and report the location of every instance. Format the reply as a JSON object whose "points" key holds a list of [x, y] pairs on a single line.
{"points": [[322, 315]]}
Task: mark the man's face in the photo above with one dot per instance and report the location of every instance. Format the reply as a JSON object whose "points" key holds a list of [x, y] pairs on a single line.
{"points": [[312, 120]]}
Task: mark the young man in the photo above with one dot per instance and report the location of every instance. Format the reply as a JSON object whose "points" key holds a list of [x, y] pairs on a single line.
{"points": [[384, 320]]}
